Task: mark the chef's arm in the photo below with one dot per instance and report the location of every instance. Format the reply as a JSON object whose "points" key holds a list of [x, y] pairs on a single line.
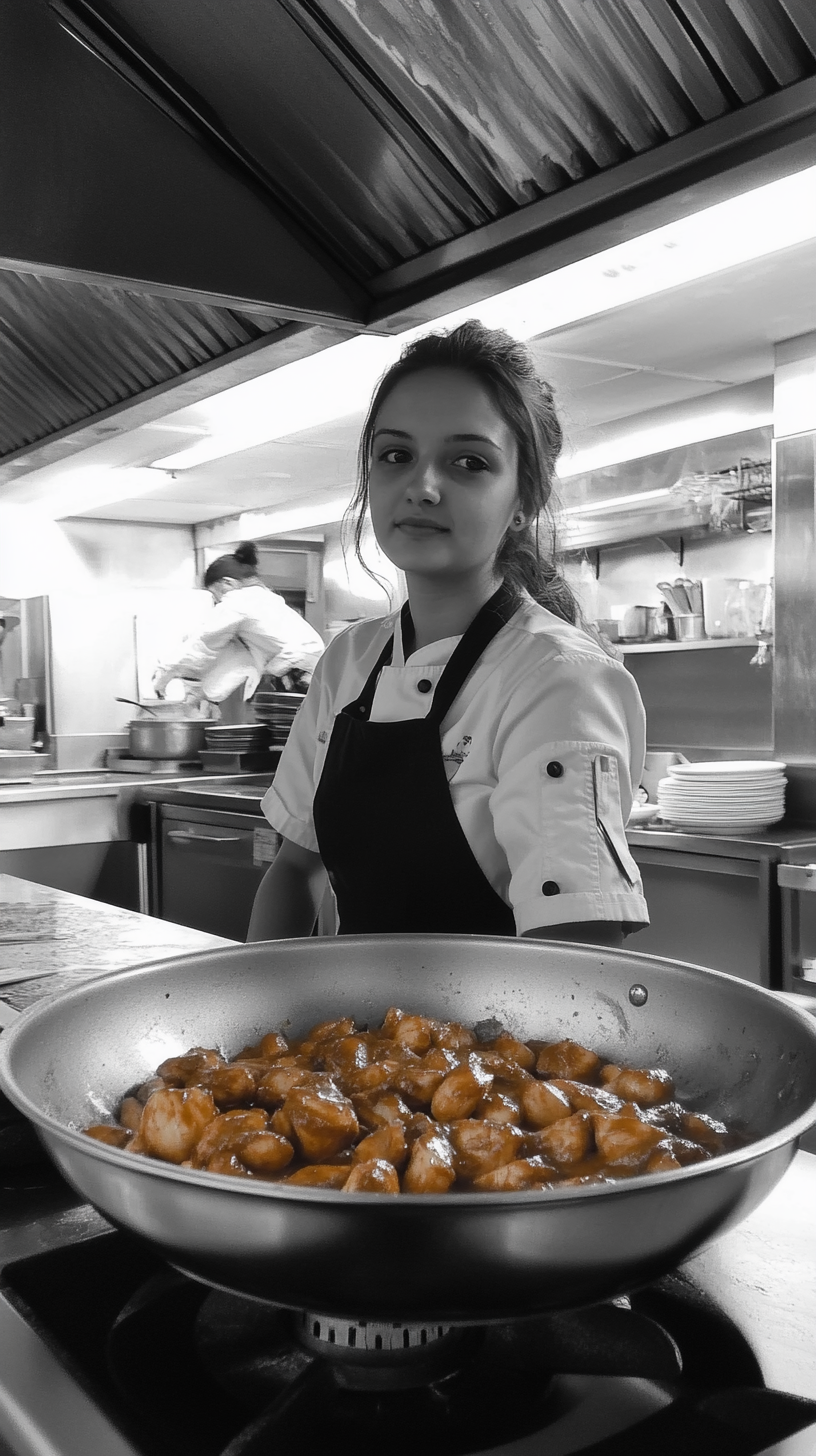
{"points": [[289, 895], [585, 932]]}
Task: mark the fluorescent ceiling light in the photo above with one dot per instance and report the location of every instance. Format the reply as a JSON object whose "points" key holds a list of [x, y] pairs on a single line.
{"points": [[86, 488], [619, 500], [339, 381], [667, 435]]}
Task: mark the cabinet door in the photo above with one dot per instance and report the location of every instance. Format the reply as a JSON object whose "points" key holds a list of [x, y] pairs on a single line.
{"points": [[706, 910], [210, 872]]}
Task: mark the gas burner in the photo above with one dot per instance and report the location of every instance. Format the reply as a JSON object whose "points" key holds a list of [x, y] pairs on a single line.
{"points": [[185, 1370]]}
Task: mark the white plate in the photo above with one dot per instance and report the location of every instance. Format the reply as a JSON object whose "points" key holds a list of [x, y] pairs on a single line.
{"points": [[719, 828], [727, 767]]}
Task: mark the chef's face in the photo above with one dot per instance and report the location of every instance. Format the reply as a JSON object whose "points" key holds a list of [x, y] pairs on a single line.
{"points": [[443, 481], [220, 589]]}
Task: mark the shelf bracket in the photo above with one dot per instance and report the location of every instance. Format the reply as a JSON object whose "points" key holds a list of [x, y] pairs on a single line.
{"points": [[595, 558], [676, 545]]}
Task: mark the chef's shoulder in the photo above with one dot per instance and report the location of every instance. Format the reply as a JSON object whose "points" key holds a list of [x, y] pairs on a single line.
{"points": [[552, 662], [354, 650]]}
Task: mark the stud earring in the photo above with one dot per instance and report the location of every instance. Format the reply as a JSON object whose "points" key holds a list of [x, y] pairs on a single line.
{"points": [[518, 519]]}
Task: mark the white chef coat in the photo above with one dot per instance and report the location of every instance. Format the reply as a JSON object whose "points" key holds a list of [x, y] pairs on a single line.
{"points": [[542, 749], [251, 632]]}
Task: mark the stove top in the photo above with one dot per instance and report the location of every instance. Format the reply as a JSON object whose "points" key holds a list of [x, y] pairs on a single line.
{"points": [[106, 1349]]}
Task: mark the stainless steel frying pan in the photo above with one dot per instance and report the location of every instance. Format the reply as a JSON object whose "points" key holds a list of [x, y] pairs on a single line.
{"points": [[734, 1050]]}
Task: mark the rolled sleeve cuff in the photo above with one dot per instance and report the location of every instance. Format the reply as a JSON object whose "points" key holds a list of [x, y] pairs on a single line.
{"points": [[279, 817], [551, 910]]}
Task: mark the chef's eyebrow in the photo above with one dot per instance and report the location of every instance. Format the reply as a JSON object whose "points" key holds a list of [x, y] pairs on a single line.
{"points": [[449, 439]]}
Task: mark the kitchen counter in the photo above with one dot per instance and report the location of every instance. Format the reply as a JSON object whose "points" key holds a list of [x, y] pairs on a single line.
{"points": [[56, 939], [241, 795], [794, 843]]}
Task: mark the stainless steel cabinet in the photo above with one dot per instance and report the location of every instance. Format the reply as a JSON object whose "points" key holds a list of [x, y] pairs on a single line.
{"points": [[209, 866], [712, 910]]}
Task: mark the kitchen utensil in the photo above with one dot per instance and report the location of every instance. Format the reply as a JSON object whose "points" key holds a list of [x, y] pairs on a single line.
{"points": [[134, 704], [683, 599], [734, 1049], [634, 624], [609, 628], [670, 596], [689, 627], [165, 738], [16, 731]]}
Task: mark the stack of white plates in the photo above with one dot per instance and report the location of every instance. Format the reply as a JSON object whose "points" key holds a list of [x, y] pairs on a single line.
{"points": [[738, 796]]}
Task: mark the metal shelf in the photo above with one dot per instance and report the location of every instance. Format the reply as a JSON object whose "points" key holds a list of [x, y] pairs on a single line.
{"points": [[704, 644]]}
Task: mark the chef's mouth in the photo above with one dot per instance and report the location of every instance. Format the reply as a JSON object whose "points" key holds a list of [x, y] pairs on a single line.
{"points": [[412, 527]]}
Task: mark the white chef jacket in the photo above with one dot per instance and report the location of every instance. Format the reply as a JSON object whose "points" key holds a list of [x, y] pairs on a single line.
{"points": [[251, 632], [542, 749]]}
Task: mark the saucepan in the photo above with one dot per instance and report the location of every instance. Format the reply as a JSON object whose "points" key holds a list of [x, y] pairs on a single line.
{"points": [[734, 1049], [165, 731]]}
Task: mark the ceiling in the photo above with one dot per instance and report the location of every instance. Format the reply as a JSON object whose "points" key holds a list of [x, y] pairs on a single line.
{"points": [[677, 346], [403, 151]]}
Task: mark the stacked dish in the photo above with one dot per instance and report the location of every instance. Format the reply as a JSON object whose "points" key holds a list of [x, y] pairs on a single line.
{"points": [[738, 796], [237, 737], [278, 711]]}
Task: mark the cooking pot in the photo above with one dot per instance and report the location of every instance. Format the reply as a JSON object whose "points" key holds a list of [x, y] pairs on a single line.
{"points": [[734, 1050], [165, 737]]}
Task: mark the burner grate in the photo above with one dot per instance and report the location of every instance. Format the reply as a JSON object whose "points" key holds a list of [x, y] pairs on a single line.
{"points": [[184, 1370]]}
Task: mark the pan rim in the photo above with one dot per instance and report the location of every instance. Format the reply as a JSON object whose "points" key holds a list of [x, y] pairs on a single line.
{"points": [[279, 1192]]}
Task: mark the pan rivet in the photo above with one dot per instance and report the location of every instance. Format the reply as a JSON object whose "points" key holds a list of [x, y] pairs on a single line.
{"points": [[638, 995]]}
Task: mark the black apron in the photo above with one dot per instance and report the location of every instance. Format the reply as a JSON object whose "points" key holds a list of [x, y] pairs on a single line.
{"points": [[396, 854]]}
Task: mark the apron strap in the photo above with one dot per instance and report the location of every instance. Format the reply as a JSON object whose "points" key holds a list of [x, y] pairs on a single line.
{"points": [[487, 623], [494, 615]]}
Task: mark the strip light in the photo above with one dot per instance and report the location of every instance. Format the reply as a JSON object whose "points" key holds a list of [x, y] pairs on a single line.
{"points": [[618, 500], [665, 435], [338, 382]]}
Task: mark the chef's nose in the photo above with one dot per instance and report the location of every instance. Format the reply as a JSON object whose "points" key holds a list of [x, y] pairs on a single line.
{"points": [[424, 485]]}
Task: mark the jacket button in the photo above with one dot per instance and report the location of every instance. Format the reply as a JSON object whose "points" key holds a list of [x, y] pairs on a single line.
{"points": [[555, 769], [424, 685], [550, 888]]}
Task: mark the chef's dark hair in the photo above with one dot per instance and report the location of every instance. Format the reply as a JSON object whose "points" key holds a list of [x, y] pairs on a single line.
{"points": [[527, 557], [241, 565]]}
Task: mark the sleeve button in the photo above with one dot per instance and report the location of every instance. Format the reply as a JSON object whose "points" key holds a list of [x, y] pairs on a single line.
{"points": [[424, 685], [555, 769], [550, 888]]}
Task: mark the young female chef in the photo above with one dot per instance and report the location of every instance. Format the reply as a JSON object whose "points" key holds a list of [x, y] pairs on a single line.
{"points": [[466, 764], [251, 633]]}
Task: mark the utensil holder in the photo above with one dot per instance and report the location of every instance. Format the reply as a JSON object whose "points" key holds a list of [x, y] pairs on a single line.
{"points": [[689, 627]]}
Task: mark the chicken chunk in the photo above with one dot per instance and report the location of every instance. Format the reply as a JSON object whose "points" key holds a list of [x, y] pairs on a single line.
{"points": [[130, 1113], [185, 1070], [567, 1059], [419, 1082], [226, 1131], [414, 1032], [698, 1127], [499, 1107], [374, 1176], [323, 1121], [583, 1098], [452, 1037], [265, 1153], [275, 1087], [514, 1050], [172, 1123], [375, 1112], [662, 1160], [479, 1147], [568, 1140], [230, 1086], [319, 1175], [513, 1177], [543, 1104], [112, 1137], [388, 1144], [461, 1091], [646, 1088], [619, 1136], [431, 1168]]}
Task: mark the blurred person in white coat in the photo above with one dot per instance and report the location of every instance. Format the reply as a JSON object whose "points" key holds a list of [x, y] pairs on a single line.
{"points": [[251, 634]]}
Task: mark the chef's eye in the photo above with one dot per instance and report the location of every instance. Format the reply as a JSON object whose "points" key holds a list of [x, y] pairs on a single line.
{"points": [[472, 463], [394, 455]]}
